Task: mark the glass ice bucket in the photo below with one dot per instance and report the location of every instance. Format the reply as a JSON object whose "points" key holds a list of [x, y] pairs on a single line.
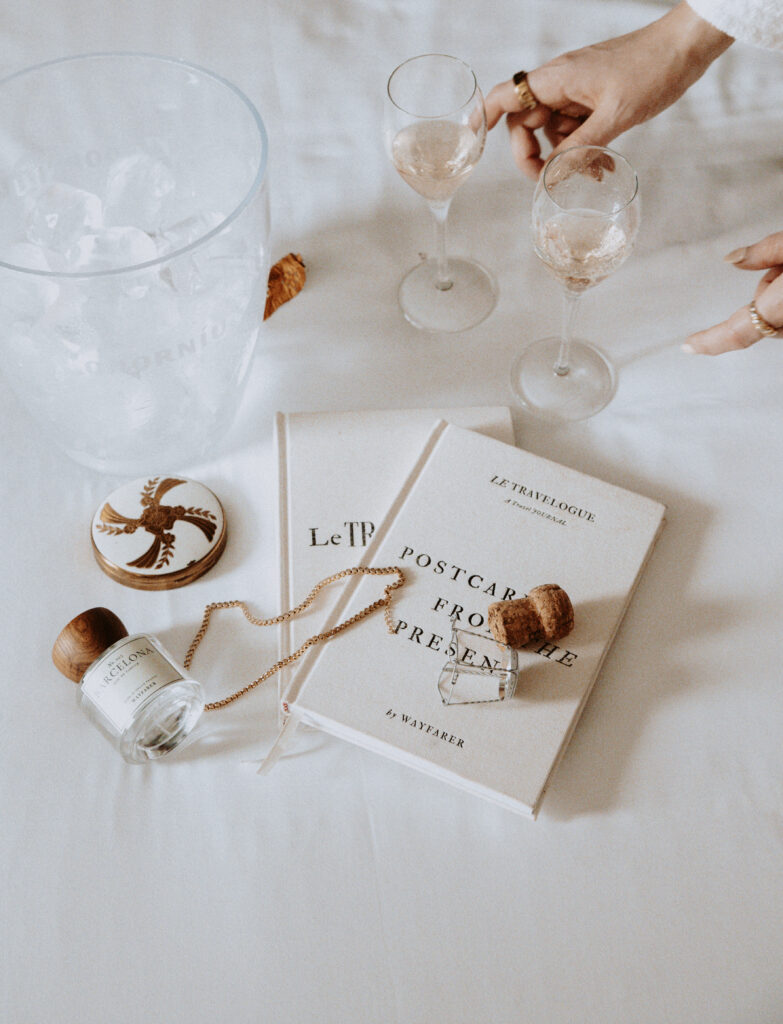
{"points": [[134, 226]]}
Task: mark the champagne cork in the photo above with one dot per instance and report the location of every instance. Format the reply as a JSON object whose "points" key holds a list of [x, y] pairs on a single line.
{"points": [[545, 614]]}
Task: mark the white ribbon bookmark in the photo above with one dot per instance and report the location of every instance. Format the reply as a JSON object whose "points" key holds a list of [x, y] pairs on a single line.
{"points": [[280, 745]]}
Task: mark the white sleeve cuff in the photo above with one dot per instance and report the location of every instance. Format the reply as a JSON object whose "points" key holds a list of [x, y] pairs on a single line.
{"points": [[759, 22]]}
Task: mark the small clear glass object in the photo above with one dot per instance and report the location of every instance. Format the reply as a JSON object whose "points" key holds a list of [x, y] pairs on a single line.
{"points": [[134, 257], [140, 698], [435, 127], [479, 669], [130, 687], [584, 223]]}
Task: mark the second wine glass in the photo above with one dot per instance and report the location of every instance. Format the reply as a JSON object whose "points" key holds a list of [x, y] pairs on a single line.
{"points": [[584, 223], [435, 127]]}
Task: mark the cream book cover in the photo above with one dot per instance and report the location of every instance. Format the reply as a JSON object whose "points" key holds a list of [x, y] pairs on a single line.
{"points": [[479, 521], [338, 473]]}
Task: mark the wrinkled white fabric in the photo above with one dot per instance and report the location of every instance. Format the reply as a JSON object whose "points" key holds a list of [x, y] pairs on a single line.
{"points": [[344, 888], [759, 22]]}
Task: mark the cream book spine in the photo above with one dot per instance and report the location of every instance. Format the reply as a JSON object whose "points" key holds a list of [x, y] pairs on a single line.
{"points": [[479, 521]]}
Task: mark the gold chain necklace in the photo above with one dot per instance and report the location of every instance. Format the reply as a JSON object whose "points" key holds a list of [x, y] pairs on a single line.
{"points": [[384, 602]]}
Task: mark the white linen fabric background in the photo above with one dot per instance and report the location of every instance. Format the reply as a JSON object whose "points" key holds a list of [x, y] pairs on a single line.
{"points": [[345, 888]]}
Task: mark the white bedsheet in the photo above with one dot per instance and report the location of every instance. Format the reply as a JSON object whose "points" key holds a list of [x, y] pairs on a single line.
{"points": [[345, 888]]}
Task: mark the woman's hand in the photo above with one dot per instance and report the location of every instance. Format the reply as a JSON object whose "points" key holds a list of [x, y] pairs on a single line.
{"points": [[739, 330], [592, 95]]}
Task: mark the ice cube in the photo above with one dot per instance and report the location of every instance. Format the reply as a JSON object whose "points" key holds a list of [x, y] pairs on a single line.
{"points": [[136, 188], [25, 295], [185, 274], [111, 249], [191, 229], [60, 214], [27, 256]]}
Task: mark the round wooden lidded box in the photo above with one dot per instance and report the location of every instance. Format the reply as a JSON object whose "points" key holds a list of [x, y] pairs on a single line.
{"points": [[158, 533]]}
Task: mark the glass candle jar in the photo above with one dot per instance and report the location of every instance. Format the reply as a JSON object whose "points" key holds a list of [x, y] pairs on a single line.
{"points": [[129, 686]]}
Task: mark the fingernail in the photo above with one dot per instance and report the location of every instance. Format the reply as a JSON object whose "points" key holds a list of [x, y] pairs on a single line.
{"points": [[736, 255], [686, 347]]}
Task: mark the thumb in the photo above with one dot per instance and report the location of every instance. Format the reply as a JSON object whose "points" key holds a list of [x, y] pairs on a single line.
{"points": [[595, 131], [766, 253]]}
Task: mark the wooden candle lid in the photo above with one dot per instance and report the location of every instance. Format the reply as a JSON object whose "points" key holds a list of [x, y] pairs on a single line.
{"points": [[84, 640], [158, 533]]}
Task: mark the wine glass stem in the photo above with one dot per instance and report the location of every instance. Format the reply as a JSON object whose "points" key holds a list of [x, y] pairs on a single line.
{"points": [[440, 214], [570, 302]]}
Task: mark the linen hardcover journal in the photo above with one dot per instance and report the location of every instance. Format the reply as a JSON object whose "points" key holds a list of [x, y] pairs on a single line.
{"points": [[479, 521]]}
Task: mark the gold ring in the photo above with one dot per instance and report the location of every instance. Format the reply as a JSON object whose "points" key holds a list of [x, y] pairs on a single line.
{"points": [[527, 100], [764, 327]]}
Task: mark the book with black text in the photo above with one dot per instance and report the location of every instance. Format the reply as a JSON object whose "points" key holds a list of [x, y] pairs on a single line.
{"points": [[338, 473], [477, 521]]}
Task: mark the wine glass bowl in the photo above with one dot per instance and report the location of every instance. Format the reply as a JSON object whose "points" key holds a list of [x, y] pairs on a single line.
{"points": [[584, 223], [435, 128]]}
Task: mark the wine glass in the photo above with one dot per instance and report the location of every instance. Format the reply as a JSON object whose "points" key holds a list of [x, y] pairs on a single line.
{"points": [[585, 219], [435, 127]]}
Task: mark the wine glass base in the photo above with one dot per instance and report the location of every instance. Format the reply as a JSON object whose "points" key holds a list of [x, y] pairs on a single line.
{"points": [[588, 386], [469, 300]]}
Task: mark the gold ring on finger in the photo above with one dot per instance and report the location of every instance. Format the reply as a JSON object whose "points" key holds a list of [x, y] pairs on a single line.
{"points": [[527, 101], [764, 327]]}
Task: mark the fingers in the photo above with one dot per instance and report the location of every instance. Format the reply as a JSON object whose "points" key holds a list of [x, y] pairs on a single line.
{"points": [[504, 99], [501, 99], [768, 278], [522, 125], [565, 123], [562, 132], [559, 127], [735, 333], [594, 131], [766, 253], [738, 331], [525, 146]]}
